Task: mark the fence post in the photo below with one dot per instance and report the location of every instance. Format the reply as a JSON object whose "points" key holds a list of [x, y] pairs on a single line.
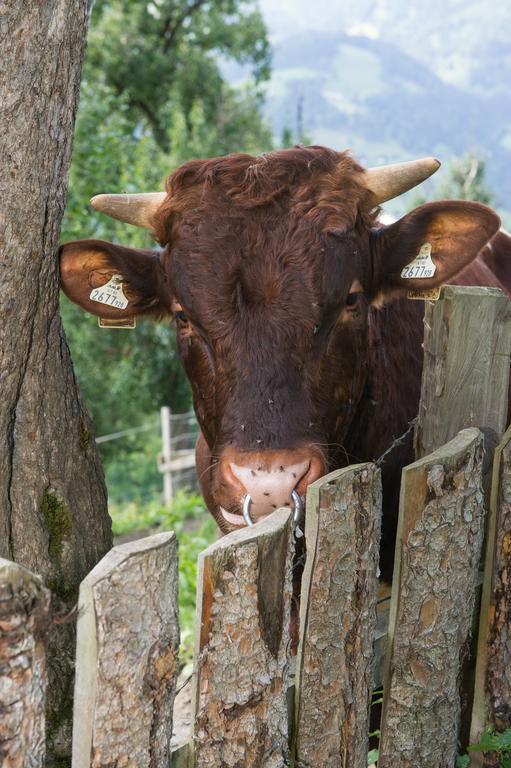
{"points": [[338, 619], [438, 548], [242, 647], [467, 343], [126, 658], [492, 697], [166, 454], [24, 620]]}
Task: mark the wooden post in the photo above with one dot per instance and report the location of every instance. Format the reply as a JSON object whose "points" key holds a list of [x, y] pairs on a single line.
{"points": [[492, 698], [467, 343], [126, 658], [242, 647], [24, 621], [438, 548], [166, 454], [338, 619]]}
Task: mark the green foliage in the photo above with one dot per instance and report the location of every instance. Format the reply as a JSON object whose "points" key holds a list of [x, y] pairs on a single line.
{"points": [[498, 742], [130, 465], [163, 56], [462, 761], [467, 181], [195, 529], [124, 375]]}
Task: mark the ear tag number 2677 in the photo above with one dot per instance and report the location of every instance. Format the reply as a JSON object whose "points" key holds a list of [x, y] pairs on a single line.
{"points": [[111, 293], [422, 266]]}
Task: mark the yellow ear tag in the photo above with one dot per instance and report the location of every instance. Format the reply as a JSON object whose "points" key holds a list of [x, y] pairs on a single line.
{"points": [[432, 295], [128, 323]]}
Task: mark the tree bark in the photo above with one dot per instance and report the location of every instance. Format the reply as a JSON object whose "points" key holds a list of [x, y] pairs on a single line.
{"points": [[53, 516], [24, 621]]}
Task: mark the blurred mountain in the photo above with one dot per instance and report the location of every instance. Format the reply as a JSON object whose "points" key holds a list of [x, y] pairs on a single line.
{"points": [[462, 41], [393, 80], [348, 90]]}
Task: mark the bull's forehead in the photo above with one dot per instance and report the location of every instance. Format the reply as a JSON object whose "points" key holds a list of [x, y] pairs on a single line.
{"points": [[227, 268]]}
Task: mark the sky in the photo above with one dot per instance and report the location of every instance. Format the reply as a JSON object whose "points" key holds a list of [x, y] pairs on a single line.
{"points": [[284, 16]]}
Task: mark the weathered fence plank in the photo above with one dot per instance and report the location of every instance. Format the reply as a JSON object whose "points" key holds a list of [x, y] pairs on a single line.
{"points": [[467, 343], [181, 757], [24, 620], [338, 618], [492, 698], [440, 536], [242, 647], [127, 646]]}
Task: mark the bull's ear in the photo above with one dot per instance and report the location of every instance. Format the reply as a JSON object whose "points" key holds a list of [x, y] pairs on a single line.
{"points": [[430, 245], [112, 281]]}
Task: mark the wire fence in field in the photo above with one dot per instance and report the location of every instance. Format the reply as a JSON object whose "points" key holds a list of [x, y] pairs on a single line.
{"points": [[134, 473], [183, 436]]}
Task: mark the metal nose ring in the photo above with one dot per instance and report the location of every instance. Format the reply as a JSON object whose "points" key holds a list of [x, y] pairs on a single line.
{"points": [[297, 515]]}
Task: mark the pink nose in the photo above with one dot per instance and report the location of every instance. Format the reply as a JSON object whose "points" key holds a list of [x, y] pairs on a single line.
{"points": [[268, 477]]}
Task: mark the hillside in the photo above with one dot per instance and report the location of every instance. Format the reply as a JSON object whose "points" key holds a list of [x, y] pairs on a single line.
{"points": [[371, 96]]}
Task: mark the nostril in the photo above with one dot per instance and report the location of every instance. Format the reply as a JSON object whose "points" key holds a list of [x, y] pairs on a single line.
{"points": [[314, 471], [229, 482]]}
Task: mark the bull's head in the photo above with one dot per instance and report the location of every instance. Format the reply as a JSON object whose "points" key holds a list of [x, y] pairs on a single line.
{"points": [[272, 267]]}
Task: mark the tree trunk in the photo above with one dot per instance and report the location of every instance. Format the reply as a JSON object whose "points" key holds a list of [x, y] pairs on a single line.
{"points": [[53, 516]]}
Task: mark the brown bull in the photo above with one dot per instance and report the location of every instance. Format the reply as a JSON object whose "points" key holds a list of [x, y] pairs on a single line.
{"points": [[289, 302]]}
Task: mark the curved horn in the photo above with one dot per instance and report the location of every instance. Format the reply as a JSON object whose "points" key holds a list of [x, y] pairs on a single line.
{"points": [[133, 209], [389, 181]]}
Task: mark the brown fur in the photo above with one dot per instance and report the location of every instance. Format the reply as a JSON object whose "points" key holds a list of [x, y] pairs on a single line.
{"points": [[497, 257], [262, 254]]}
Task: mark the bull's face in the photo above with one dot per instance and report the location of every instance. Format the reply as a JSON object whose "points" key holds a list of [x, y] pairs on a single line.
{"points": [[272, 332], [269, 272]]}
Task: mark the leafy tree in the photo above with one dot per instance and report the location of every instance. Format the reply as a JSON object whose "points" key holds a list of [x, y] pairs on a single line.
{"points": [[286, 139], [164, 55], [466, 180]]}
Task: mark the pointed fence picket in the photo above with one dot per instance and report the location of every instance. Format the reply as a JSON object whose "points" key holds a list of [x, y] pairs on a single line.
{"points": [[127, 657]]}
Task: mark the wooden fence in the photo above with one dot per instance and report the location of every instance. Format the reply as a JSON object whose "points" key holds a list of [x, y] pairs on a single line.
{"points": [[255, 704]]}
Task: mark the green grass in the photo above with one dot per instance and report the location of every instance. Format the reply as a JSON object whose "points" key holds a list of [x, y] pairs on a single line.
{"points": [[195, 530]]}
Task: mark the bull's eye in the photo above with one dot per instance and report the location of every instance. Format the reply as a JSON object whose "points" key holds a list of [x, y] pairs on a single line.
{"points": [[354, 296], [180, 317], [353, 299]]}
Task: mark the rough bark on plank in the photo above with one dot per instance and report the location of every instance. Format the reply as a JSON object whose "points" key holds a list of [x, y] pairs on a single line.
{"points": [[24, 621], [467, 343], [127, 657], [242, 647], [53, 511], [492, 699], [338, 619], [440, 533]]}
